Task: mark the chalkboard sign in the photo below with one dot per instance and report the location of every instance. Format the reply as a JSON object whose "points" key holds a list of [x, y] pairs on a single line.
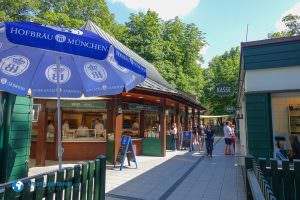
{"points": [[126, 150], [187, 139]]}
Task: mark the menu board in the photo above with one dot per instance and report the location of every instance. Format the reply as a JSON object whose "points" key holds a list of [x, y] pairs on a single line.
{"points": [[126, 150], [187, 139]]}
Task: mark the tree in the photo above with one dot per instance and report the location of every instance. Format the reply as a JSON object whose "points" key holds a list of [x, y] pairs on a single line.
{"points": [[17, 10], [172, 46], [292, 23], [67, 13], [222, 69]]}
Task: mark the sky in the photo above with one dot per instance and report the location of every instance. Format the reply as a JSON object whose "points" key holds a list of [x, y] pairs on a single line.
{"points": [[224, 22]]}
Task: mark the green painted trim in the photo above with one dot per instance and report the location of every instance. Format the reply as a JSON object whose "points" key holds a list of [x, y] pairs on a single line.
{"points": [[259, 125], [152, 147], [275, 55]]}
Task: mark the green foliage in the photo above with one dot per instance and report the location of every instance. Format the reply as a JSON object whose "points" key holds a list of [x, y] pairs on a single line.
{"points": [[222, 69], [67, 13], [17, 10], [172, 46], [292, 22]]}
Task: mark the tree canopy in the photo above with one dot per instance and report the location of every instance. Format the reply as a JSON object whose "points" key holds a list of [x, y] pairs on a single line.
{"points": [[292, 24], [222, 69], [172, 46]]}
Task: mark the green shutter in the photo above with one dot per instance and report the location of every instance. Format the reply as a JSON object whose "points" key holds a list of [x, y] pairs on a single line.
{"points": [[16, 133], [259, 125]]}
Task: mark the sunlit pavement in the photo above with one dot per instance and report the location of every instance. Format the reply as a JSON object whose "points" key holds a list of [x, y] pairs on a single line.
{"points": [[181, 175]]}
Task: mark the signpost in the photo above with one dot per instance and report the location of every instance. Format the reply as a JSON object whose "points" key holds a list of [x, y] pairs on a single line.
{"points": [[126, 150], [224, 90]]}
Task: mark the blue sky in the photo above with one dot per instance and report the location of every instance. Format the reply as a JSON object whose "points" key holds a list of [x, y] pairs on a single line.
{"points": [[223, 21]]}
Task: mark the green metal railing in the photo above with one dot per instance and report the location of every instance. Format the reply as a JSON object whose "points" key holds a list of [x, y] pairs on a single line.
{"points": [[276, 182], [83, 181]]}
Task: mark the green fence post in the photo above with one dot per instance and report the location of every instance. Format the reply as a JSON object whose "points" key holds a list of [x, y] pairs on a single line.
{"points": [[297, 178], [83, 182], [97, 180], [59, 186], [102, 159], [276, 180], [2, 193], [248, 165], [26, 194], [287, 180], [262, 165], [91, 174], [50, 188], [76, 183], [39, 188], [68, 186]]}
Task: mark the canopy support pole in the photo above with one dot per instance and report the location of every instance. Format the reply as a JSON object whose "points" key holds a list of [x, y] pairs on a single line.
{"points": [[60, 150]]}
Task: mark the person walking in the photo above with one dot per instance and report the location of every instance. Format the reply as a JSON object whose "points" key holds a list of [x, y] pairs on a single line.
{"points": [[227, 136], [174, 135], [209, 139]]}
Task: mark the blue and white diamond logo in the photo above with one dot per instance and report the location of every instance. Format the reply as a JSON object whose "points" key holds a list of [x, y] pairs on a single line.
{"points": [[18, 186]]}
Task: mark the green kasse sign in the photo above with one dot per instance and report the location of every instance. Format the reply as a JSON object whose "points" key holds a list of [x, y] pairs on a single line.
{"points": [[224, 90]]}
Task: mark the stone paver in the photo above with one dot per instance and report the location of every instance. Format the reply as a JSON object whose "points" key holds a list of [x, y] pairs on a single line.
{"points": [[217, 178], [179, 175]]}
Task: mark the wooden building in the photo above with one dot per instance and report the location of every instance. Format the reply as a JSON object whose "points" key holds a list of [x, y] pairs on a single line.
{"points": [[93, 126], [269, 95]]}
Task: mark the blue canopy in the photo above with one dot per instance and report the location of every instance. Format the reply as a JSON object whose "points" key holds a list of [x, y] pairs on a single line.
{"points": [[59, 62], [30, 52]]}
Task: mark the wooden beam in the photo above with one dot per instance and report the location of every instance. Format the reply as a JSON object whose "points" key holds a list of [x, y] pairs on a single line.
{"points": [[177, 121], [163, 125], [186, 119]]}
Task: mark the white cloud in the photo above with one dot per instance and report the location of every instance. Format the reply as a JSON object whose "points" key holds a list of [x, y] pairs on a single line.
{"points": [[204, 49], [295, 10], [167, 9]]}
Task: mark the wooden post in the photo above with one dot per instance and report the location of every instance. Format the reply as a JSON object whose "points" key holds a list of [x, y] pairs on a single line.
{"points": [[198, 117], [177, 121], [163, 126], [41, 144], [142, 123], [193, 118], [186, 119], [118, 128]]}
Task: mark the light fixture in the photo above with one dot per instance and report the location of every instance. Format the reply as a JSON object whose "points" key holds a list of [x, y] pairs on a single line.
{"points": [[141, 97], [128, 95]]}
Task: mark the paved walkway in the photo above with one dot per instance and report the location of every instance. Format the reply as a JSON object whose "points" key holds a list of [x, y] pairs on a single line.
{"points": [[181, 176]]}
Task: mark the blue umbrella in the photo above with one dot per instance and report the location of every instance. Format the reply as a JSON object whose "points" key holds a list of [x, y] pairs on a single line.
{"points": [[57, 62]]}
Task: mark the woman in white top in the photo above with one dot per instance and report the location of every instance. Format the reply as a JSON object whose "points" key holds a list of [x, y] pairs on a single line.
{"points": [[174, 135]]}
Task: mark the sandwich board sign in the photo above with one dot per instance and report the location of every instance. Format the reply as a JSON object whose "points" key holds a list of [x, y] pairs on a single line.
{"points": [[126, 151], [224, 90], [187, 140]]}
